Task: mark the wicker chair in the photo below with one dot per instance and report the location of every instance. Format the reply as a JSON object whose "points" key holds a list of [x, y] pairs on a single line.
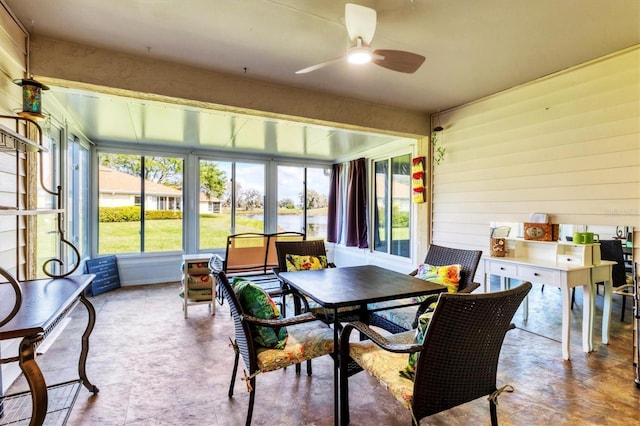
{"points": [[437, 255], [307, 338], [302, 248], [458, 359], [313, 248]]}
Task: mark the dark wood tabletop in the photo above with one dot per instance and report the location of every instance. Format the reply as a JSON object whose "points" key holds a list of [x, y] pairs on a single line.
{"points": [[337, 287], [43, 302]]}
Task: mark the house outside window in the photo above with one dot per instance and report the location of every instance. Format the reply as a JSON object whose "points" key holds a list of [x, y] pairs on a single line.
{"points": [[135, 198]]}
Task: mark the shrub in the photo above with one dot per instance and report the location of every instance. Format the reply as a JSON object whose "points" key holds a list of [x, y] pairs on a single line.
{"points": [[132, 214]]}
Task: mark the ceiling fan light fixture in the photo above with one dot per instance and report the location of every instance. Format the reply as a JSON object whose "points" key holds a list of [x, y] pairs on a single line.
{"points": [[359, 55]]}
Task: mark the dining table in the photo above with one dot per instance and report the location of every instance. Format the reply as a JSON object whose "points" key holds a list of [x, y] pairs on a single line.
{"points": [[335, 288]]}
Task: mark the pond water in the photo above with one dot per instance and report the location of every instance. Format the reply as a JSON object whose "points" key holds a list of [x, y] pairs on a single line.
{"points": [[316, 225]]}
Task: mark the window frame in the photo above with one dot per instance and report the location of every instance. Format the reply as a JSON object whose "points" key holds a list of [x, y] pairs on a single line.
{"points": [[388, 156]]}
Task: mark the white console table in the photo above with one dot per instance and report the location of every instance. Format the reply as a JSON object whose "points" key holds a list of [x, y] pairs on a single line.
{"points": [[557, 270]]}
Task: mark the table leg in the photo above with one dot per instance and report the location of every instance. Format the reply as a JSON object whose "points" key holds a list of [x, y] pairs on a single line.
{"points": [[82, 363], [566, 322], [587, 317], [35, 379], [606, 311], [602, 273]]}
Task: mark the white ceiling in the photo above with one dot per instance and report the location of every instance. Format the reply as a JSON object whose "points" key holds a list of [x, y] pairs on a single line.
{"points": [[473, 48]]}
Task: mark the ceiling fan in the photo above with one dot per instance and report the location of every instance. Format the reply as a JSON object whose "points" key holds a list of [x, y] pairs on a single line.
{"points": [[361, 26]]}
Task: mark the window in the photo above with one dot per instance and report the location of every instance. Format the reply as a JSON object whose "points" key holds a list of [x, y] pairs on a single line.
{"points": [[78, 196], [392, 206], [47, 242], [139, 201], [231, 200], [302, 200]]}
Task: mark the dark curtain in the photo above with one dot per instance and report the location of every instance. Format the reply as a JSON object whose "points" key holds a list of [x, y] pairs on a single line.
{"points": [[356, 205], [334, 215]]}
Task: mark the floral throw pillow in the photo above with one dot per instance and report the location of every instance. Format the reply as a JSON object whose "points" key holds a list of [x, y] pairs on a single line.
{"points": [[424, 320], [256, 302], [448, 275], [305, 262]]}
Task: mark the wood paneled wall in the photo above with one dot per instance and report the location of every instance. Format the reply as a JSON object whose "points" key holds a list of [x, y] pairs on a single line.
{"points": [[13, 65], [567, 145]]}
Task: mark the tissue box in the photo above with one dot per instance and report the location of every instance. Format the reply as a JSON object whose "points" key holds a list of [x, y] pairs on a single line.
{"points": [[541, 231]]}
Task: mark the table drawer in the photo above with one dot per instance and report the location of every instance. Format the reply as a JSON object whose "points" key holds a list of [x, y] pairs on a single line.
{"points": [[503, 269], [539, 275], [564, 259]]}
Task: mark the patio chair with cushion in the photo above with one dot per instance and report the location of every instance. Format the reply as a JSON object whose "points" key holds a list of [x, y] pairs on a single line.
{"points": [[304, 255], [457, 351], [401, 315], [266, 341]]}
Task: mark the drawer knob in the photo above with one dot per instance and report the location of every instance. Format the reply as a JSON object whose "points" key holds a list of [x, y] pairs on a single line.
{"points": [[501, 268], [536, 274]]}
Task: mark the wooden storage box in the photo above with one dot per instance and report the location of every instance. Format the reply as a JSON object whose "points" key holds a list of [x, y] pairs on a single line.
{"points": [[541, 231]]}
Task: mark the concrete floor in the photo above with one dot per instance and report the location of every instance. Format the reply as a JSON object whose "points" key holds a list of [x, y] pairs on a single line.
{"points": [[153, 367]]}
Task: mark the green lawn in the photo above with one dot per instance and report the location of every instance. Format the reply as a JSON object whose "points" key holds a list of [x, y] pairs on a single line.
{"points": [[166, 235]]}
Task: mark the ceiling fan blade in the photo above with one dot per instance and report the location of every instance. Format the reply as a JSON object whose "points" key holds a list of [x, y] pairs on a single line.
{"points": [[360, 22], [318, 66], [398, 60]]}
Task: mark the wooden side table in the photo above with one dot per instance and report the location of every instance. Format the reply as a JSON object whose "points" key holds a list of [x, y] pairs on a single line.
{"points": [[44, 303]]}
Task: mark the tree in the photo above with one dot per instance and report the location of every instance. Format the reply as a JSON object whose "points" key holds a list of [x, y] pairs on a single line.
{"points": [[286, 203], [315, 200], [168, 171], [213, 181], [164, 170], [250, 199]]}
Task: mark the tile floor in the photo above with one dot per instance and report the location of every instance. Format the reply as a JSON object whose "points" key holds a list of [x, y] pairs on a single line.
{"points": [[153, 367]]}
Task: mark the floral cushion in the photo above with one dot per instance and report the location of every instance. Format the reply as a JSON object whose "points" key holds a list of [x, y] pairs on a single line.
{"points": [[199, 281], [409, 370], [306, 341], [256, 302], [305, 262], [448, 275], [403, 316], [384, 365]]}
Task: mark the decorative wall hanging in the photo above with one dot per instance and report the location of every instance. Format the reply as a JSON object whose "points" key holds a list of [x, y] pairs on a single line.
{"points": [[31, 98], [418, 188]]}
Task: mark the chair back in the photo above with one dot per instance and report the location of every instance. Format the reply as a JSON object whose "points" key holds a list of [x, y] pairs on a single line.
{"points": [[274, 239], [246, 252], [243, 338], [612, 250], [301, 248], [461, 348], [468, 259]]}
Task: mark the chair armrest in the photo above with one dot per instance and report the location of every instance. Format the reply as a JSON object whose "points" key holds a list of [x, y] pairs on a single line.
{"points": [[470, 288], [217, 263], [378, 339], [280, 322]]}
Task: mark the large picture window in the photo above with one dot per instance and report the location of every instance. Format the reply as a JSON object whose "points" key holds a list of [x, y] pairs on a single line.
{"points": [[140, 203], [392, 206], [231, 201], [302, 200]]}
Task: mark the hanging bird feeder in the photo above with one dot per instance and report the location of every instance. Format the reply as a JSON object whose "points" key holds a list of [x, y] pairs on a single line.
{"points": [[31, 97]]}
